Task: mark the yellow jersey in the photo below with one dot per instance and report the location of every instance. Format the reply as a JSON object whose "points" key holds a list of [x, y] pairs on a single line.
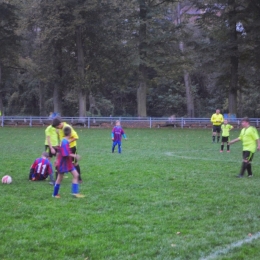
{"points": [[217, 119]]}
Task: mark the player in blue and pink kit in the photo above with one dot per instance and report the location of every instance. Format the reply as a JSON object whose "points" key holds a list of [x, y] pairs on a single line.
{"points": [[64, 164], [116, 135], [41, 169]]}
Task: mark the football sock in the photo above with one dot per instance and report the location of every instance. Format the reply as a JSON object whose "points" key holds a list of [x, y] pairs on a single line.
{"points": [[78, 170], [74, 188], [228, 147], [218, 138], [213, 138], [56, 189], [249, 169], [222, 147], [243, 168]]}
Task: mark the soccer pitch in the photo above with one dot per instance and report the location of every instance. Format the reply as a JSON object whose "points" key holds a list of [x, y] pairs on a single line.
{"points": [[169, 195]]}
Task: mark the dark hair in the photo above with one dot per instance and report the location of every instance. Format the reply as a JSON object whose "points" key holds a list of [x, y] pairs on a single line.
{"points": [[245, 119], [67, 131], [45, 154], [56, 121]]}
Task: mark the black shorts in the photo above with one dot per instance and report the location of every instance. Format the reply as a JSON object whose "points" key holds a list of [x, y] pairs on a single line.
{"points": [[74, 151], [47, 149], [247, 155], [216, 128], [225, 139]]}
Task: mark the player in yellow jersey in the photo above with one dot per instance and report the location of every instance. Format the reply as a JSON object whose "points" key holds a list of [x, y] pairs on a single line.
{"points": [[58, 124], [225, 129], [216, 120], [250, 139]]}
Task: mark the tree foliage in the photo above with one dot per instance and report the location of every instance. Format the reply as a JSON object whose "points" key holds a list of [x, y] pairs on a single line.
{"points": [[116, 57]]}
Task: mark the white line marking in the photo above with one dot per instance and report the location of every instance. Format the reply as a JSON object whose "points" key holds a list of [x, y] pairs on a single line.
{"points": [[204, 159], [231, 247]]}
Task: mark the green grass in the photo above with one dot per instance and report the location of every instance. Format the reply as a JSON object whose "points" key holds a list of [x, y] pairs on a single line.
{"points": [[165, 181]]}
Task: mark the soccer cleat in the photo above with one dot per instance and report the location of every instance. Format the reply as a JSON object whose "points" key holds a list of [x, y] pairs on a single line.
{"points": [[250, 175], [52, 182], [78, 195], [239, 176], [228, 151], [56, 196], [221, 151]]}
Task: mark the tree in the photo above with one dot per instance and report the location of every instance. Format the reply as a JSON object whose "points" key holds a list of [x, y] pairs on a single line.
{"points": [[9, 41]]}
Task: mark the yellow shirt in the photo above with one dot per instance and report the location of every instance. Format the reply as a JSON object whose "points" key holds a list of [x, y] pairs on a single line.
{"points": [[217, 119], [73, 134], [249, 136], [52, 133], [225, 129]]}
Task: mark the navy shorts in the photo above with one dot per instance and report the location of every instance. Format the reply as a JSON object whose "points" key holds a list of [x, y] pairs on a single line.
{"points": [[247, 155], [216, 128], [225, 139]]}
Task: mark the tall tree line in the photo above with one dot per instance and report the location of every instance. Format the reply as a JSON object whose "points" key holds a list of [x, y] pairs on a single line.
{"points": [[138, 58]]}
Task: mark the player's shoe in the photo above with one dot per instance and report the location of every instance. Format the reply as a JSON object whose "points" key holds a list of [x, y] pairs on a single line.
{"points": [[240, 176], [56, 196], [221, 151], [250, 175], [228, 151], [78, 195]]}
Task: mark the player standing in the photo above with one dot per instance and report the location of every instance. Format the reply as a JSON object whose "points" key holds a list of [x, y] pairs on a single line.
{"points": [[64, 164], [57, 123], [116, 135], [216, 120], [225, 128]]}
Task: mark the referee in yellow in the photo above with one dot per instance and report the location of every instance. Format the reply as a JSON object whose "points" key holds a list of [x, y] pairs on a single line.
{"points": [[216, 120]]}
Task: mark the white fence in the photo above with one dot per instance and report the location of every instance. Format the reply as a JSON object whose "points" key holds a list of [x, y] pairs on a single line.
{"points": [[134, 122]]}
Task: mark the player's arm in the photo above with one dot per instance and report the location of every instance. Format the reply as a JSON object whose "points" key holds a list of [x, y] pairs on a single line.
{"points": [[212, 119], [74, 136], [32, 169], [234, 141], [258, 144], [112, 135], [50, 145]]}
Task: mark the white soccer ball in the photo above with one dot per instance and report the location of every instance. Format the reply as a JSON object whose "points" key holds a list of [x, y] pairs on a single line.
{"points": [[7, 179]]}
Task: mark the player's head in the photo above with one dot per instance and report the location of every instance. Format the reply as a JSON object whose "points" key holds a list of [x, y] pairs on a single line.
{"points": [[217, 111], [225, 121], [245, 122], [45, 155], [117, 122], [56, 122], [67, 131]]}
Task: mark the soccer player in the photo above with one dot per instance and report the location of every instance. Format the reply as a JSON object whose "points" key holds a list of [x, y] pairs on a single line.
{"points": [[64, 164], [51, 140], [51, 143], [57, 123], [225, 128], [116, 135], [216, 120], [250, 139], [41, 169]]}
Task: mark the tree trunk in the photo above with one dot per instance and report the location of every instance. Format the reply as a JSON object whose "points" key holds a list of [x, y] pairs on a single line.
{"points": [[82, 95], [41, 99], [57, 90], [186, 75], [189, 95], [233, 84], [142, 85], [1, 96], [57, 104]]}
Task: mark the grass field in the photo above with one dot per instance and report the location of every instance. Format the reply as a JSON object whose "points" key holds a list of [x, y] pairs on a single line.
{"points": [[169, 195]]}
